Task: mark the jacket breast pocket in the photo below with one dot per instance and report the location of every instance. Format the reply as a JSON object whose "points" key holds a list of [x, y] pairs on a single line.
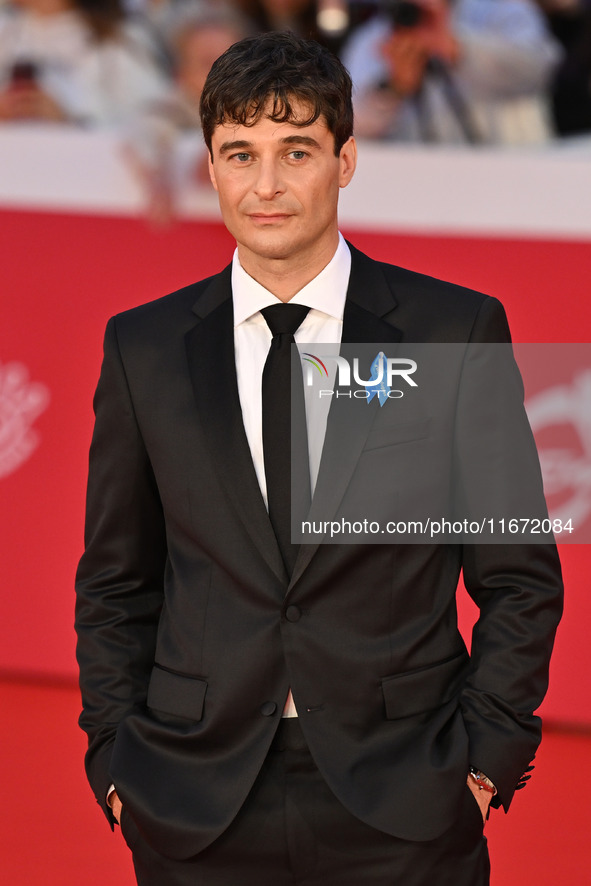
{"points": [[393, 435], [176, 694], [424, 689]]}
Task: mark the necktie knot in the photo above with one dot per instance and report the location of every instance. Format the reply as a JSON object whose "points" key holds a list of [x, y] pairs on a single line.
{"points": [[284, 319]]}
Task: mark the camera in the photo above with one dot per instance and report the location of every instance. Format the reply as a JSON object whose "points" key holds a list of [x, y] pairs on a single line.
{"points": [[23, 73], [404, 13]]}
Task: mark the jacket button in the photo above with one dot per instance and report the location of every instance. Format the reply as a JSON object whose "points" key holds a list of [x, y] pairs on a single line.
{"points": [[292, 613], [268, 708]]}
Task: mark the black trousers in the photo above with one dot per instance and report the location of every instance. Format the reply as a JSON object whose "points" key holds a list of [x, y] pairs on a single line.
{"points": [[292, 830]]}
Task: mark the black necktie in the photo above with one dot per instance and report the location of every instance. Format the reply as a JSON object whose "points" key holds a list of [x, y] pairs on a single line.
{"points": [[282, 388]]}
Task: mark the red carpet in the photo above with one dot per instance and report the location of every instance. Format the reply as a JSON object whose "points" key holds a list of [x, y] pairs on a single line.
{"points": [[53, 833]]}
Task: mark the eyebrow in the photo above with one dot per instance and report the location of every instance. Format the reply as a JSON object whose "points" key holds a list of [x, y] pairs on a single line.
{"points": [[234, 146], [300, 140], [241, 144]]}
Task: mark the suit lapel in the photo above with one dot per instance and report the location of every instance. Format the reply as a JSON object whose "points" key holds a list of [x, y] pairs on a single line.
{"points": [[212, 367], [368, 318]]}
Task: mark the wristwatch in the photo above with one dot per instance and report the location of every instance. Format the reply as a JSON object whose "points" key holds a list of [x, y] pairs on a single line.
{"points": [[483, 781]]}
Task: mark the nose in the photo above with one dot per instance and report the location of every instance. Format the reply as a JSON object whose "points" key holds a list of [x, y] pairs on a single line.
{"points": [[269, 181]]}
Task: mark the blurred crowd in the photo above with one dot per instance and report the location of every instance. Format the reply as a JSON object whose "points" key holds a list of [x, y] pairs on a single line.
{"points": [[492, 72]]}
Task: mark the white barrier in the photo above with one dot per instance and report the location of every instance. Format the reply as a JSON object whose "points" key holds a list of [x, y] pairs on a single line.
{"points": [[525, 192]]}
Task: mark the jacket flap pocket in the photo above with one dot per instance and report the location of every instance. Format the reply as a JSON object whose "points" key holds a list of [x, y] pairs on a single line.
{"points": [[176, 694], [392, 435], [424, 689]]}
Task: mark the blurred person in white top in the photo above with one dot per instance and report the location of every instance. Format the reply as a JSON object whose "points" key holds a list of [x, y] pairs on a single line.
{"points": [[73, 61]]}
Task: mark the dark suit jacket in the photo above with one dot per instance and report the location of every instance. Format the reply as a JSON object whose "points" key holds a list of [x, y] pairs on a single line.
{"points": [[190, 633]]}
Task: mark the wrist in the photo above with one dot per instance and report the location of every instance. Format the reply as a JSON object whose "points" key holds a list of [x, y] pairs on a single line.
{"points": [[481, 781]]}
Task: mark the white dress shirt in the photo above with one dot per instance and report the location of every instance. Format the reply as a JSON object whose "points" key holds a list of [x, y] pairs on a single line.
{"points": [[325, 296]]}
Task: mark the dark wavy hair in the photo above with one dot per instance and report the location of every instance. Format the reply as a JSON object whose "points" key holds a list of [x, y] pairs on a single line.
{"points": [[267, 74]]}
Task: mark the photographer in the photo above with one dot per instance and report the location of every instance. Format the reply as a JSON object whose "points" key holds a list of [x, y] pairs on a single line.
{"points": [[469, 71]]}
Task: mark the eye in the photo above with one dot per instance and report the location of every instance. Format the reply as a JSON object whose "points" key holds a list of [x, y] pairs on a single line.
{"points": [[241, 156], [297, 155]]}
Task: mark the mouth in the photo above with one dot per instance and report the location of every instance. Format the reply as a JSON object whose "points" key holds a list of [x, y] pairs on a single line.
{"points": [[268, 217]]}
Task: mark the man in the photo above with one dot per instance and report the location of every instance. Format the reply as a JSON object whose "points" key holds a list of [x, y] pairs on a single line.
{"points": [[200, 624]]}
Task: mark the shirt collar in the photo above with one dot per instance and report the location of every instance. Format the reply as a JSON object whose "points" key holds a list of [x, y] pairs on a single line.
{"points": [[326, 292]]}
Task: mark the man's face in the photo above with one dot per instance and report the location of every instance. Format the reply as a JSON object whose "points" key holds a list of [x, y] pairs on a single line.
{"points": [[278, 186]]}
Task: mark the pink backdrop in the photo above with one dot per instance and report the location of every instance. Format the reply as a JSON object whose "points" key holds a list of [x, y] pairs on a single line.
{"points": [[64, 275]]}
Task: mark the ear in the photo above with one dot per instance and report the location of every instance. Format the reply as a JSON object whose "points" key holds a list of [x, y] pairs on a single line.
{"points": [[347, 162], [211, 171]]}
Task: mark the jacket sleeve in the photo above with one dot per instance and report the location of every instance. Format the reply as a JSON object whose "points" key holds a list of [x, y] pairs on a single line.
{"points": [[119, 583], [516, 584]]}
